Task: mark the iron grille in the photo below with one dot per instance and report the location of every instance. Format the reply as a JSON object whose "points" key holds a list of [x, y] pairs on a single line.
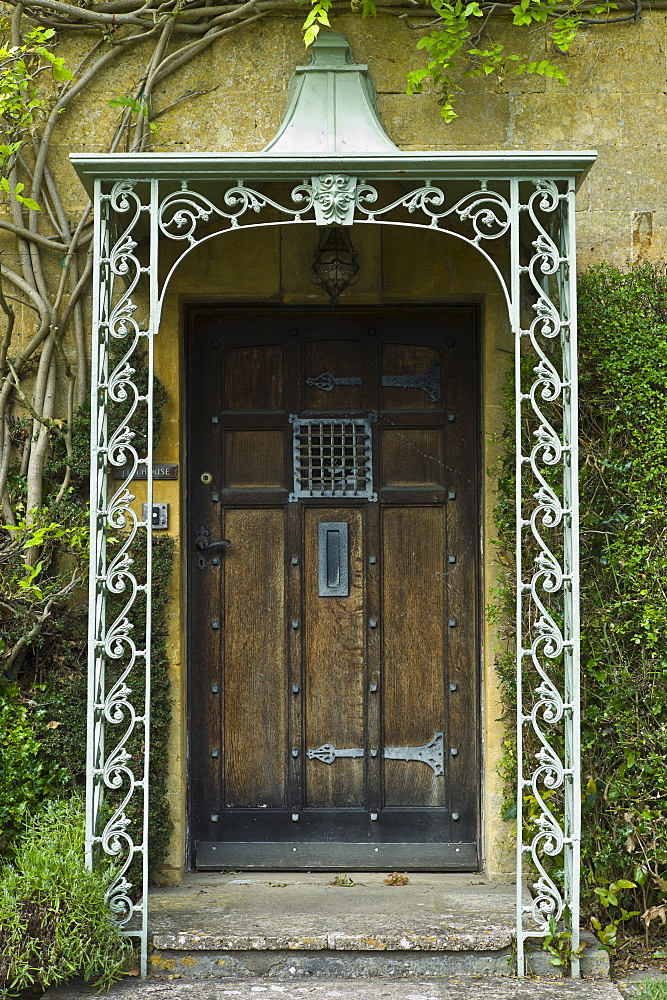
{"points": [[332, 457]]}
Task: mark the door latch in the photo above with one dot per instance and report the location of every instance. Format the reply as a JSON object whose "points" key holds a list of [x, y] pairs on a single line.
{"points": [[202, 545]]}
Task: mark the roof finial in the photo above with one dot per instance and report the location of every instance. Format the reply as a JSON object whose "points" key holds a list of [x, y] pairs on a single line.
{"points": [[331, 106]]}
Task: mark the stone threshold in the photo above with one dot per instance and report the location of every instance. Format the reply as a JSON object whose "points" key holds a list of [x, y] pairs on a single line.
{"points": [[495, 939], [287, 925]]}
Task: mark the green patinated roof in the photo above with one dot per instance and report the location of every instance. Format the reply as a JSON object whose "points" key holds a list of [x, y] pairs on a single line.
{"points": [[331, 106]]}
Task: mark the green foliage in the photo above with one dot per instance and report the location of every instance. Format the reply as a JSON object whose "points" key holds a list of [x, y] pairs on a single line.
{"points": [[47, 536], [624, 567], [54, 920], [318, 17], [623, 458], [27, 777], [21, 103], [558, 943], [138, 107], [453, 46], [651, 989], [609, 900], [44, 625], [42, 571]]}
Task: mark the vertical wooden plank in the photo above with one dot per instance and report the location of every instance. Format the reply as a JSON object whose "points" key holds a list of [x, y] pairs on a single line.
{"points": [[335, 667], [413, 541], [255, 668], [372, 569], [204, 585], [294, 571], [461, 403]]}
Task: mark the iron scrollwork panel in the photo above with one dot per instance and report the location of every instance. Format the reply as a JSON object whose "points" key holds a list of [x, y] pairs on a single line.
{"points": [[120, 565], [547, 654]]}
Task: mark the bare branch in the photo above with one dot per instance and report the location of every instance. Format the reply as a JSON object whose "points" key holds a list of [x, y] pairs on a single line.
{"points": [[7, 336], [25, 234], [16, 24]]}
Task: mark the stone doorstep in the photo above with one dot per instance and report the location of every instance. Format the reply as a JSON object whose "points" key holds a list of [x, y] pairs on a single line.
{"points": [[326, 964], [191, 955], [489, 938], [318, 930]]}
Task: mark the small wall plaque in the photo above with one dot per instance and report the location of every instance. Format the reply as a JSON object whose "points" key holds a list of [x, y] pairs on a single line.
{"points": [[161, 470]]}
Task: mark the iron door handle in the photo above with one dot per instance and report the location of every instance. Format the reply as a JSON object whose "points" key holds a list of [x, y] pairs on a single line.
{"points": [[202, 545]]}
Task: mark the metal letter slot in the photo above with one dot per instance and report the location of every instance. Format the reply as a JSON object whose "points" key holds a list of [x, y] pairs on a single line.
{"points": [[332, 559], [431, 753]]}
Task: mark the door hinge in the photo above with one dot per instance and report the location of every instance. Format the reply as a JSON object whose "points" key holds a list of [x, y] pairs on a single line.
{"points": [[431, 753]]}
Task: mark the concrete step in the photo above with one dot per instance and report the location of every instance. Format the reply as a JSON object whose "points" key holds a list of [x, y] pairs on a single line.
{"points": [[296, 925]]}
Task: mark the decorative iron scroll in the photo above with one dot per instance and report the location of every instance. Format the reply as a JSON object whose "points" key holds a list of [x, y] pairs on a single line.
{"points": [[524, 229], [547, 564], [120, 565]]}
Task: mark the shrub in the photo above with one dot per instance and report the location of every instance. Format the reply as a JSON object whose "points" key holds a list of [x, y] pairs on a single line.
{"points": [[54, 920], [26, 776]]}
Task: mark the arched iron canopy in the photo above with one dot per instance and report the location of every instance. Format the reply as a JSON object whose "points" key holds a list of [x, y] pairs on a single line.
{"points": [[343, 168]]}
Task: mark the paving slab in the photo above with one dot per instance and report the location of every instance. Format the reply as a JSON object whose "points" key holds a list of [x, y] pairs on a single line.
{"points": [[460, 988]]}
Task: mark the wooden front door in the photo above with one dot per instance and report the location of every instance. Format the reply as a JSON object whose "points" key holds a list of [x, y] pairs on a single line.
{"points": [[333, 646]]}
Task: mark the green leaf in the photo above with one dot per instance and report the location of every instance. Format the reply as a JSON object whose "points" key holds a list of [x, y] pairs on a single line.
{"points": [[28, 202]]}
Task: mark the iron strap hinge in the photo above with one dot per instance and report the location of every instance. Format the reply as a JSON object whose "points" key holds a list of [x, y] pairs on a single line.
{"points": [[431, 753]]}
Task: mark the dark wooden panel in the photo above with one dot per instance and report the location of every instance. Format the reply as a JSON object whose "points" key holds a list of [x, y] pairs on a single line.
{"points": [[334, 667], [462, 587], [425, 471], [413, 541], [411, 457], [340, 358], [337, 855], [254, 377], [255, 672], [255, 458], [204, 655]]}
